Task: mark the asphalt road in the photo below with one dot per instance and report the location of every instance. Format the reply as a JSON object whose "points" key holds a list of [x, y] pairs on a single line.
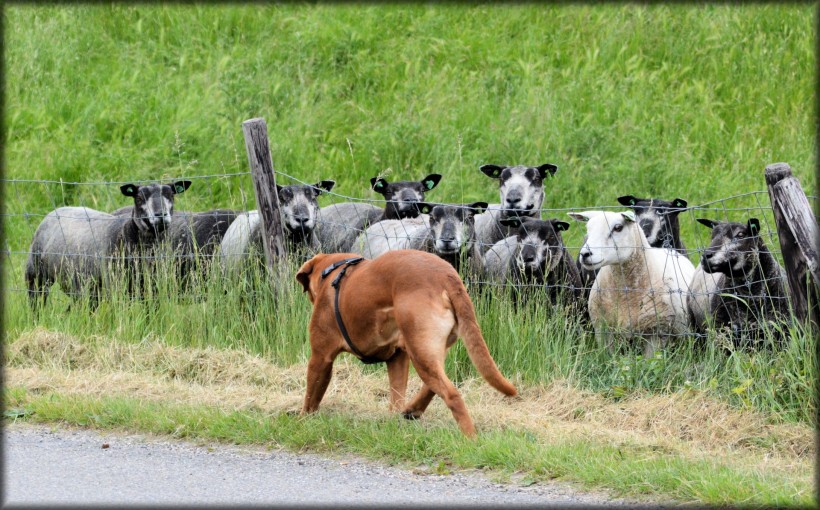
{"points": [[74, 467]]}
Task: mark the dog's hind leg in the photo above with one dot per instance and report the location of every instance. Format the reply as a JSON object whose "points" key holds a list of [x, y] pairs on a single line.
{"points": [[397, 371], [320, 370], [419, 404], [437, 381]]}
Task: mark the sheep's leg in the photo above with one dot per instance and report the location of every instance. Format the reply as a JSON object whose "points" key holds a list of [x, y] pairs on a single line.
{"points": [[38, 287], [652, 344], [605, 338], [397, 371]]}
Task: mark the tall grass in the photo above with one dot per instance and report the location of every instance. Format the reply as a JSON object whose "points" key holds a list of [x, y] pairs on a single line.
{"points": [[663, 100]]}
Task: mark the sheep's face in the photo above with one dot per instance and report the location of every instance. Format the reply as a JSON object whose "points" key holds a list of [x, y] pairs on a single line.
{"points": [[657, 218], [403, 197], [521, 187], [733, 249], [299, 206], [612, 238], [153, 204], [540, 245], [453, 226]]}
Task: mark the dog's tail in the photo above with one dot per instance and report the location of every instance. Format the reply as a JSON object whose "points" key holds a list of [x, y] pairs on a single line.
{"points": [[469, 331]]}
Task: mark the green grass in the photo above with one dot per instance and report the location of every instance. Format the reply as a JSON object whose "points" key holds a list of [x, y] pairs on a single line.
{"points": [[628, 470]]}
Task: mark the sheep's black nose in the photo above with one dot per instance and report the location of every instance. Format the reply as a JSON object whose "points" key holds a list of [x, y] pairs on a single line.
{"points": [[512, 201], [448, 238], [301, 220], [528, 258], [585, 254]]}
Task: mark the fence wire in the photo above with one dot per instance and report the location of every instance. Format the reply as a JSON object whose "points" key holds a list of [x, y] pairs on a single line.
{"points": [[557, 256]]}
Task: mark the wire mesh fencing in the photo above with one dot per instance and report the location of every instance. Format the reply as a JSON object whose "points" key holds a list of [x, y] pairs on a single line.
{"points": [[655, 284]]}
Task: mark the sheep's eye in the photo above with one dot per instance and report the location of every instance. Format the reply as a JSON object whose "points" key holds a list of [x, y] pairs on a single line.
{"points": [[740, 235], [618, 228]]}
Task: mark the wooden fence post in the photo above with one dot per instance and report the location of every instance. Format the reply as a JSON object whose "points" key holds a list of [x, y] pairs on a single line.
{"points": [[797, 231], [264, 186]]}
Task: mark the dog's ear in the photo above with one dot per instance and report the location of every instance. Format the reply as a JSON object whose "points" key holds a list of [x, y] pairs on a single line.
{"points": [[303, 275]]}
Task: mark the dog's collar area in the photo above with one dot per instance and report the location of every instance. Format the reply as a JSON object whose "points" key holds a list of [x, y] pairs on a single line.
{"points": [[335, 284], [337, 265]]}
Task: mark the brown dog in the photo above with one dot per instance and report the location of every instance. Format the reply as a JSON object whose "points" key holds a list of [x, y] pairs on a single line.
{"points": [[403, 306]]}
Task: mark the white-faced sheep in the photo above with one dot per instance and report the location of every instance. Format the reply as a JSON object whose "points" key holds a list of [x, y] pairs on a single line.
{"points": [[444, 229], [639, 290], [535, 258], [522, 194], [751, 298], [659, 221], [79, 247], [298, 209], [340, 224]]}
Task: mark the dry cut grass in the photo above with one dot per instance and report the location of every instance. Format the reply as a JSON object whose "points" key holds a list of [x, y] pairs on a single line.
{"points": [[691, 424]]}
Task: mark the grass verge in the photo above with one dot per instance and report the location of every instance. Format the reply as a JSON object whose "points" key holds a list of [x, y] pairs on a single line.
{"points": [[684, 446]]}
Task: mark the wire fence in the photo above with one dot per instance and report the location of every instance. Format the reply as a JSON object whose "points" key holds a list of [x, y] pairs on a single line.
{"points": [[544, 268]]}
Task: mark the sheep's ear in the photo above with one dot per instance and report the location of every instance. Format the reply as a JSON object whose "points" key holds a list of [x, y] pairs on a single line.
{"points": [[303, 275], [707, 222], [753, 226], [679, 202], [431, 181], [378, 184], [627, 200], [493, 171], [129, 190], [579, 216], [424, 207], [478, 207], [547, 168], [628, 215], [323, 185], [513, 222], [561, 226], [279, 189], [180, 186]]}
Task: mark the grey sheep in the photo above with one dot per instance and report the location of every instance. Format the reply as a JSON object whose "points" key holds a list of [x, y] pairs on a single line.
{"points": [[79, 247]]}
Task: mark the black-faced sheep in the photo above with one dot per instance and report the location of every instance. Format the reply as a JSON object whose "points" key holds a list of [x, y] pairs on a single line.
{"points": [[444, 229], [79, 247], [193, 239], [753, 291], [340, 224], [534, 258], [522, 194], [639, 290], [298, 209]]}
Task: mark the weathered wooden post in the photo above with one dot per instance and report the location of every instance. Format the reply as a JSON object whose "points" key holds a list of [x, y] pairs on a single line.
{"points": [[264, 186], [797, 231]]}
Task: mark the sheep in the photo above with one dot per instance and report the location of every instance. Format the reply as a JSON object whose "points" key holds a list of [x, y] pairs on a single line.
{"points": [[193, 238], [754, 286], [340, 224], [639, 289], [659, 221], [444, 229], [535, 256], [522, 194], [298, 208], [75, 246]]}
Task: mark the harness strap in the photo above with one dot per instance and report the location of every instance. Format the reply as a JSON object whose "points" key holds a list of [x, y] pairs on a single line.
{"points": [[336, 283]]}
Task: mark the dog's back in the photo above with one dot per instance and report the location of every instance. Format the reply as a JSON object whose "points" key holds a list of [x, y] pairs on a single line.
{"points": [[416, 279]]}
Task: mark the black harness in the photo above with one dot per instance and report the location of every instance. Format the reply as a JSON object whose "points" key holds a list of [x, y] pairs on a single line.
{"points": [[344, 264]]}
